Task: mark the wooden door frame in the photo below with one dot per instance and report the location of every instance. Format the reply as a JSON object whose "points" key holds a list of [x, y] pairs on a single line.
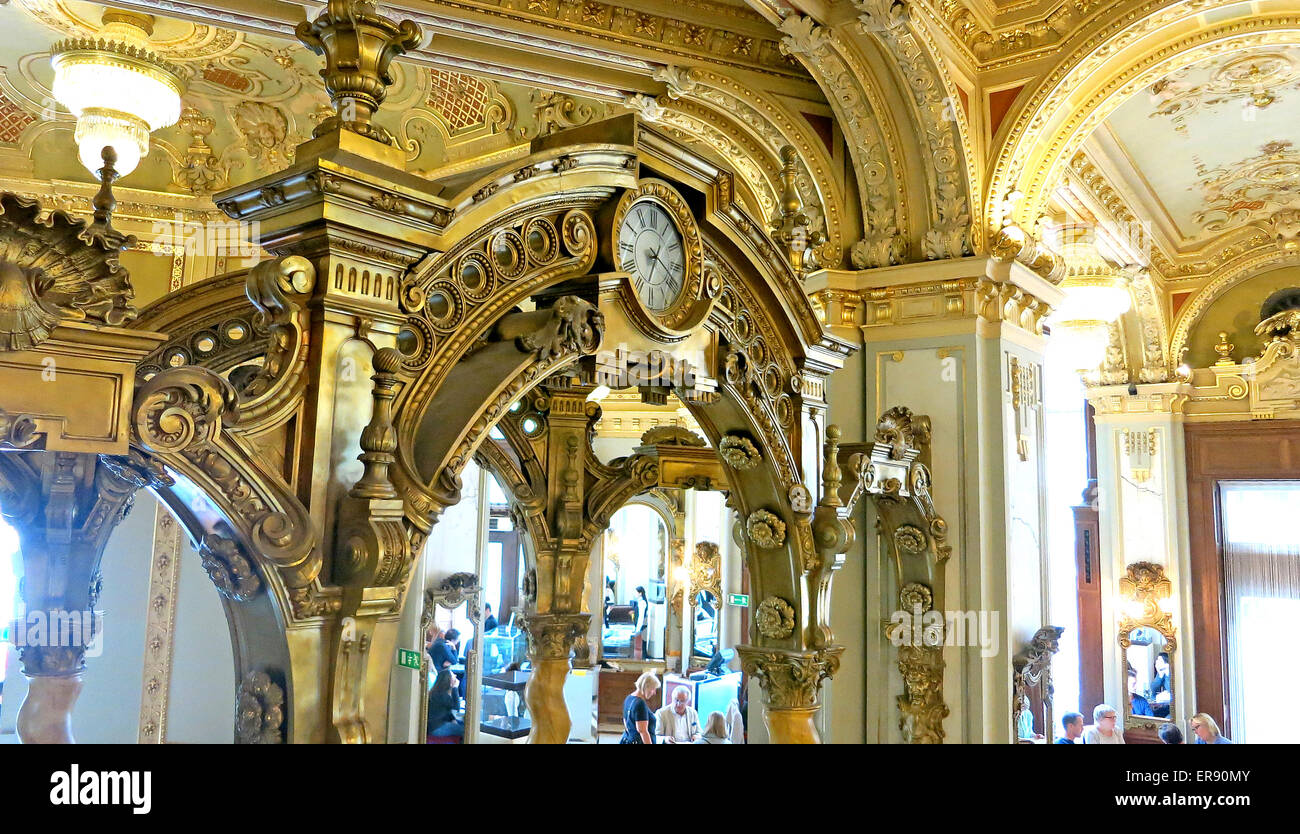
{"points": [[1247, 451]]}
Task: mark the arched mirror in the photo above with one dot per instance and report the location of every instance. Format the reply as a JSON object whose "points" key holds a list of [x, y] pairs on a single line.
{"points": [[635, 561], [1146, 636]]}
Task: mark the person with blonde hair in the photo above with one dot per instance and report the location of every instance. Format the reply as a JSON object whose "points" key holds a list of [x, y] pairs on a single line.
{"points": [[638, 718], [1104, 729], [715, 730], [1207, 730]]}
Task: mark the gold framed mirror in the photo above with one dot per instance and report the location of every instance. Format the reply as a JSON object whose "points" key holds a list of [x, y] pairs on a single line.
{"points": [[1148, 640]]}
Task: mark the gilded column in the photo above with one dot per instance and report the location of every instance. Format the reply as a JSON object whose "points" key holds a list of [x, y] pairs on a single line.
{"points": [[791, 682], [550, 641]]}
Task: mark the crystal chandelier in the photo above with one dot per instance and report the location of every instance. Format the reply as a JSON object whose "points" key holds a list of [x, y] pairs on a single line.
{"points": [[1096, 295], [119, 89]]}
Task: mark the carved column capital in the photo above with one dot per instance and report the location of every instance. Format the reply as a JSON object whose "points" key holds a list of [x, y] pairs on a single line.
{"points": [[551, 636], [791, 679]]}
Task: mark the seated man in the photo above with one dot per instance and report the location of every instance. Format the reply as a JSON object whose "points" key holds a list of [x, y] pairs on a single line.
{"points": [[1170, 734], [677, 723], [1137, 701], [1072, 722]]}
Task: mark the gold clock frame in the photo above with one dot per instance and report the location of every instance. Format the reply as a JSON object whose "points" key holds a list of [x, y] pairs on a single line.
{"points": [[693, 303]]}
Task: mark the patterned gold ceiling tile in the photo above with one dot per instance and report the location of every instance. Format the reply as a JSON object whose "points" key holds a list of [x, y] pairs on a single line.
{"points": [[13, 120]]}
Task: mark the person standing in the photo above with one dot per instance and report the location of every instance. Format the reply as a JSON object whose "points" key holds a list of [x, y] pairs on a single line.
{"points": [[642, 619], [1207, 730], [489, 621], [638, 720], [442, 651], [1103, 729], [1072, 723], [678, 722]]}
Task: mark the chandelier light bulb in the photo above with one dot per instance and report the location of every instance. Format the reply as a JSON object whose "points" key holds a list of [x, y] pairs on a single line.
{"points": [[119, 90]]}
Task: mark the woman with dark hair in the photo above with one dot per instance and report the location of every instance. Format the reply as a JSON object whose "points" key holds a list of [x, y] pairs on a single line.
{"points": [[642, 617], [442, 707]]}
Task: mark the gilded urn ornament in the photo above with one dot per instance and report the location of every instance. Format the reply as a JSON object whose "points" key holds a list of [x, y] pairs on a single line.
{"points": [[359, 45]]}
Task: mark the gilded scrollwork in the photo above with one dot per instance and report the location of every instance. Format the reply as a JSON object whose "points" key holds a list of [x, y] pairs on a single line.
{"points": [[914, 535], [57, 269]]}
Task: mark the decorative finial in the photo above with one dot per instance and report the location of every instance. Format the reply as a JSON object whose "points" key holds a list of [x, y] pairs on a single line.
{"points": [[791, 228], [379, 438], [359, 45], [104, 201], [831, 474], [1224, 348]]}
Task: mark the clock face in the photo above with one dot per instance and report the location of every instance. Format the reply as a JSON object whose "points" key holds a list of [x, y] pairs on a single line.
{"points": [[650, 250]]}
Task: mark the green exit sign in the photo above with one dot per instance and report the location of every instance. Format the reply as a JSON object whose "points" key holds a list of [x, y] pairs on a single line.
{"points": [[408, 658], [741, 600]]}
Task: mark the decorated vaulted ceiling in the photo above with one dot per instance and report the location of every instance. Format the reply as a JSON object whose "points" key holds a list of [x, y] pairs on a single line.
{"points": [[253, 94], [249, 101], [1212, 148]]}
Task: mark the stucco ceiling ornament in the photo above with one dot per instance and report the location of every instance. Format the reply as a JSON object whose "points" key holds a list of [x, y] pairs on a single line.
{"points": [[774, 618], [765, 529], [739, 452]]}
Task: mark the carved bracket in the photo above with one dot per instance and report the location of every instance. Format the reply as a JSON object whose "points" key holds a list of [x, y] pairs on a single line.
{"points": [[915, 536]]}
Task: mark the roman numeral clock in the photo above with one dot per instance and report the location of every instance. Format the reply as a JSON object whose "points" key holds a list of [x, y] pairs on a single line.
{"points": [[656, 244]]}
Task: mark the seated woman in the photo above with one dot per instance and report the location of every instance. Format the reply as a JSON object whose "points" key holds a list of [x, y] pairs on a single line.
{"points": [[442, 707], [715, 730]]}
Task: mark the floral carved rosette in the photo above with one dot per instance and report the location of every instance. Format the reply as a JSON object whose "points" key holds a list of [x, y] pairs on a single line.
{"points": [[765, 529], [738, 452], [774, 618], [915, 594], [259, 716], [909, 539]]}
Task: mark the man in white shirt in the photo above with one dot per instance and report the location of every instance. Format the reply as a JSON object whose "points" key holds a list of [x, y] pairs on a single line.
{"points": [[1104, 729], [677, 723]]}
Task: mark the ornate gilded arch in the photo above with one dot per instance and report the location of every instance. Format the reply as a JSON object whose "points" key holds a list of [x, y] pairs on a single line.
{"points": [[906, 129]]}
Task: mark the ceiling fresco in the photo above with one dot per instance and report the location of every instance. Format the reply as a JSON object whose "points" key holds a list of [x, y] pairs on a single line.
{"points": [[250, 101], [1217, 144]]}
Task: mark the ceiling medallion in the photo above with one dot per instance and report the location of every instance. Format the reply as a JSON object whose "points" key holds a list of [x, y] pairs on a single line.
{"points": [[119, 89]]}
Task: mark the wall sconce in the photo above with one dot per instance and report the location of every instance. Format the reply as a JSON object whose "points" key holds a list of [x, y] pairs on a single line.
{"points": [[1140, 449]]}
